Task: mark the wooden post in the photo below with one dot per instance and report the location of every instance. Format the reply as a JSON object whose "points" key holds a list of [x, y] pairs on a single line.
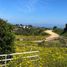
{"points": [[20, 64], [5, 60], [9, 59]]}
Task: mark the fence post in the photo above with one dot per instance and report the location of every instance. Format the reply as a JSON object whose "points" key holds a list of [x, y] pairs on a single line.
{"points": [[5, 60], [20, 64], [8, 59]]}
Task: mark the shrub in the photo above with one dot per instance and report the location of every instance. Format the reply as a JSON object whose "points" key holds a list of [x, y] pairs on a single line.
{"points": [[6, 37]]}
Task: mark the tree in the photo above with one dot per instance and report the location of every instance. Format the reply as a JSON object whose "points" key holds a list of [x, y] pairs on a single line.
{"points": [[55, 27], [57, 30], [65, 29], [6, 37]]}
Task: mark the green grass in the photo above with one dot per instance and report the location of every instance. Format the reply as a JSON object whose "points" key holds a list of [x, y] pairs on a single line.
{"points": [[49, 57], [51, 54], [30, 38]]}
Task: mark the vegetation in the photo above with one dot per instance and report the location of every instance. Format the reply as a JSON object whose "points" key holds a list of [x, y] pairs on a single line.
{"points": [[49, 57], [28, 30], [62, 32], [29, 38], [6, 37], [65, 29], [57, 30], [51, 54]]}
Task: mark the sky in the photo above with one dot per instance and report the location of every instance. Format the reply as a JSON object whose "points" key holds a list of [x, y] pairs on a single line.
{"points": [[35, 12]]}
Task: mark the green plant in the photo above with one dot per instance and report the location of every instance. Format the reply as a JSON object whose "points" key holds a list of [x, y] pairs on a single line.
{"points": [[6, 37]]}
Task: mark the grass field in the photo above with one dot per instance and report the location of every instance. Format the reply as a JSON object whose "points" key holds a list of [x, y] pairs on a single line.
{"points": [[51, 53], [52, 56]]}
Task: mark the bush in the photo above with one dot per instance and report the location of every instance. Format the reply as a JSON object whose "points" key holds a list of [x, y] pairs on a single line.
{"points": [[6, 37]]}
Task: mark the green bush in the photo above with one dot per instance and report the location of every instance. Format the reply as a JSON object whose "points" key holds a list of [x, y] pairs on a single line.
{"points": [[6, 37]]}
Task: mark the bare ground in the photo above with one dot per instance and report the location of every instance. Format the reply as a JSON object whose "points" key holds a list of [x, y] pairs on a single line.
{"points": [[52, 36]]}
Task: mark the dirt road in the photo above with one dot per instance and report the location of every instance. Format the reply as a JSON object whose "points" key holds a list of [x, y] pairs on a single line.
{"points": [[52, 35]]}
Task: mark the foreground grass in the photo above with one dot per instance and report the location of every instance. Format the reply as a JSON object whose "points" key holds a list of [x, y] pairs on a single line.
{"points": [[48, 57], [54, 56]]}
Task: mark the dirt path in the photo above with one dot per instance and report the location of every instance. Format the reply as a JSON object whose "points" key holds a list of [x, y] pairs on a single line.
{"points": [[52, 35]]}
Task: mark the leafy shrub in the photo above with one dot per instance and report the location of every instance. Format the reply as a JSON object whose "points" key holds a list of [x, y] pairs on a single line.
{"points": [[6, 37]]}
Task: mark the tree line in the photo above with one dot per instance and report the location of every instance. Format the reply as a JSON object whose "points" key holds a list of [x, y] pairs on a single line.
{"points": [[27, 30]]}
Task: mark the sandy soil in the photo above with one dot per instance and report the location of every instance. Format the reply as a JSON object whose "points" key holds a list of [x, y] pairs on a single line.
{"points": [[52, 35]]}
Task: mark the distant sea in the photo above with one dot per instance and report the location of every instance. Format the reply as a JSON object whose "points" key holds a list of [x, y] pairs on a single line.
{"points": [[48, 25]]}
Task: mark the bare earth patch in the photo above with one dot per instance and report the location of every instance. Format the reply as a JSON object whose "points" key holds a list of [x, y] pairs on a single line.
{"points": [[52, 35]]}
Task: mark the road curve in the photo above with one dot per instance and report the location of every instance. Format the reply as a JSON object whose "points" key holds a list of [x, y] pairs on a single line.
{"points": [[52, 36]]}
